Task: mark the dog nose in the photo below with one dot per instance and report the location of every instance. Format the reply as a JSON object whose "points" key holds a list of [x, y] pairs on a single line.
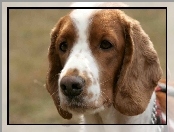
{"points": [[72, 85]]}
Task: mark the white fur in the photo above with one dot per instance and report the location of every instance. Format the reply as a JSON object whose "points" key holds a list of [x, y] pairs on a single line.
{"points": [[82, 62], [86, 62], [106, 116], [112, 116]]}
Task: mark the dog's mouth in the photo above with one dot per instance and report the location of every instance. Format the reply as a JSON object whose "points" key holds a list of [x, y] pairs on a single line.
{"points": [[75, 104], [80, 106]]}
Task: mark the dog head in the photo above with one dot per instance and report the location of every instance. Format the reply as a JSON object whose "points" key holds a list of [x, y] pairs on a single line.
{"points": [[99, 58]]}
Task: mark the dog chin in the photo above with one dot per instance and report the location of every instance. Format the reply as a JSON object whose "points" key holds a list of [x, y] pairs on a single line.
{"points": [[79, 108]]}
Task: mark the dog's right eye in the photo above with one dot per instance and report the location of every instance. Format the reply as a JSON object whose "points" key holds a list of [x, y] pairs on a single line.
{"points": [[63, 46], [105, 45]]}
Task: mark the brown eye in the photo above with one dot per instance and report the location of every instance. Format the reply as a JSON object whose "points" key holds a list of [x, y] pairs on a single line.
{"points": [[63, 46], [105, 44]]}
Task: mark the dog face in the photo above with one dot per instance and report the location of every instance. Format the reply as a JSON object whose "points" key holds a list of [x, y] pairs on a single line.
{"points": [[100, 58]]}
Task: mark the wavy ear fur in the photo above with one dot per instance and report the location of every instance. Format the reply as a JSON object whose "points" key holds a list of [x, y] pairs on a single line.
{"points": [[53, 75], [140, 71]]}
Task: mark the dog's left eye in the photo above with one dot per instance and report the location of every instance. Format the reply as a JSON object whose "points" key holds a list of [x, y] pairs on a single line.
{"points": [[105, 44], [63, 46]]}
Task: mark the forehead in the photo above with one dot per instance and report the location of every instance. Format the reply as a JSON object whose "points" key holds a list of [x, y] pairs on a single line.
{"points": [[96, 23], [87, 23], [82, 19], [86, 17], [82, 16]]}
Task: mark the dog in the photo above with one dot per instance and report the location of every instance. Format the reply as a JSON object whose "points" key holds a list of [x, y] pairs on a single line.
{"points": [[103, 65]]}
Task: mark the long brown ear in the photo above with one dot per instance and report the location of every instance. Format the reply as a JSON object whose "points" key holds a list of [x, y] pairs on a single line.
{"points": [[53, 75], [140, 71]]}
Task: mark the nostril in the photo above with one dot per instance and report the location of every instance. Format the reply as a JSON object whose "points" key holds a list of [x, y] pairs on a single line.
{"points": [[76, 86], [63, 87], [72, 85]]}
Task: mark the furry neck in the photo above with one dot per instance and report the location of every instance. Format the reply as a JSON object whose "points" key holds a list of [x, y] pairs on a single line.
{"points": [[112, 116]]}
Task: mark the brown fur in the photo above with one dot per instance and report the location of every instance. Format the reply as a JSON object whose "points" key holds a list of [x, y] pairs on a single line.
{"points": [[128, 73], [106, 26], [55, 63], [140, 72]]}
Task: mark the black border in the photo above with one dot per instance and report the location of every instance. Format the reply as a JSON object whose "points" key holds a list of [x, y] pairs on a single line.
{"points": [[86, 8], [8, 8], [8, 66]]}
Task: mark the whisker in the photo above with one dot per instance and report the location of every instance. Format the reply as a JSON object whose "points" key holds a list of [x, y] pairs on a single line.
{"points": [[104, 96], [58, 74], [102, 83], [107, 97], [54, 92], [39, 83]]}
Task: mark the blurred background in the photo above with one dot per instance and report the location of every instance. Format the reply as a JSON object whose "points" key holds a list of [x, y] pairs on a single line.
{"points": [[29, 39]]}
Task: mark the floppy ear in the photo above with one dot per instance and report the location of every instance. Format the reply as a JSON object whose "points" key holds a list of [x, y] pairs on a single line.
{"points": [[139, 73], [53, 75]]}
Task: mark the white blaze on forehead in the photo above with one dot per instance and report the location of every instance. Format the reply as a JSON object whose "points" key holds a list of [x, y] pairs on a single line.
{"points": [[81, 57], [81, 19]]}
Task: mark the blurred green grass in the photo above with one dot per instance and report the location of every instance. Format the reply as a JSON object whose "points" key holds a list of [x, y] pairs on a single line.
{"points": [[29, 39]]}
